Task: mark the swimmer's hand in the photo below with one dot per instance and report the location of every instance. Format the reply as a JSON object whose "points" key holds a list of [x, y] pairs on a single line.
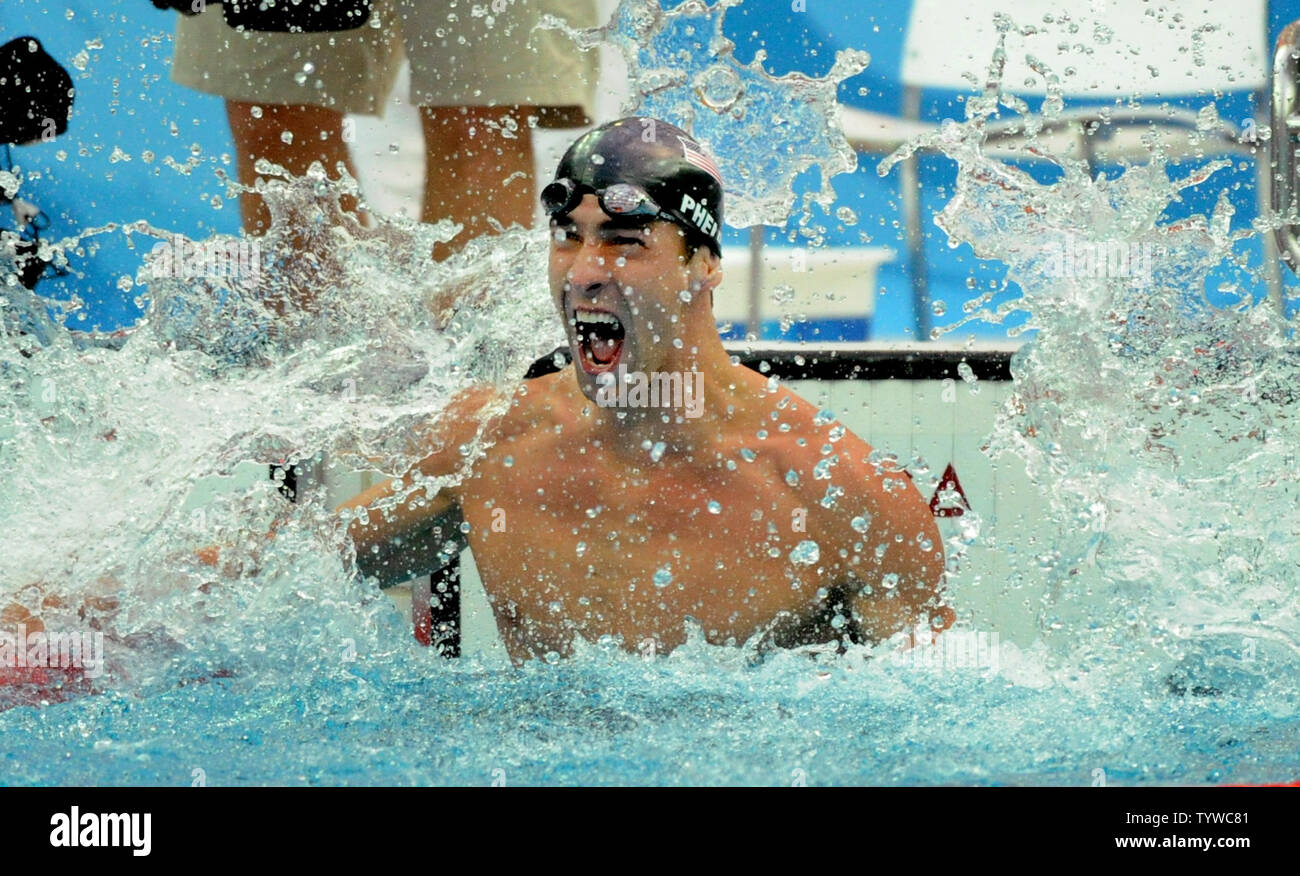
{"points": [[210, 556], [95, 607], [16, 614], [446, 301]]}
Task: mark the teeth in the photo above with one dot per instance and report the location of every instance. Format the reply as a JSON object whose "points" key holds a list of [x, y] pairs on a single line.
{"points": [[596, 316]]}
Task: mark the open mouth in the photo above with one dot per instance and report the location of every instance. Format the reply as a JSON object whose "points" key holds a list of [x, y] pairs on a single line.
{"points": [[600, 339]]}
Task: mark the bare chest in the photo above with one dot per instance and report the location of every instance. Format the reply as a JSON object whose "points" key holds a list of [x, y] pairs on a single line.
{"points": [[569, 549]]}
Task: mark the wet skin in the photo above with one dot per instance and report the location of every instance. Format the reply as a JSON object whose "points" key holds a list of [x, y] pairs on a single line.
{"points": [[571, 518]]}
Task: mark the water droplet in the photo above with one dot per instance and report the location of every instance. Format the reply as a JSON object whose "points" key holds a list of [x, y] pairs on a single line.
{"points": [[748, 455], [508, 461], [714, 507], [862, 522], [805, 553], [286, 137], [718, 88], [663, 576], [657, 451], [581, 547], [792, 477], [890, 581]]}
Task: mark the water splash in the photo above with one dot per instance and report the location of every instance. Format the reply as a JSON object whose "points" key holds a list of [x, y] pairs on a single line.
{"points": [[763, 130], [1156, 425], [329, 339]]}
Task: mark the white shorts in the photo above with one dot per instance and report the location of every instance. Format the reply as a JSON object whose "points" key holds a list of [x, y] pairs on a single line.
{"points": [[457, 58]]}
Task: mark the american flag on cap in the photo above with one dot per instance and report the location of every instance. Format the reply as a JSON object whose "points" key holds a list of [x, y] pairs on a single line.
{"points": [[700, 160]]}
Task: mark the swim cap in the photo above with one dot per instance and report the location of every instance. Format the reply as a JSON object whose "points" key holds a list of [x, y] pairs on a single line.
{"points": [[639, 152]]}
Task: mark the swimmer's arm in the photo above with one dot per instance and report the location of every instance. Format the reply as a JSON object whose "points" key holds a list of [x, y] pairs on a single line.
{"points": [[405, 540], [881, 613], [421, 534], [408, 543], [917, 595]]}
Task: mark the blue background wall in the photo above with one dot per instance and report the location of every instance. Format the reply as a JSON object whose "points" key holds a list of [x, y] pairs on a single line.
{"points": [[125, 100]]}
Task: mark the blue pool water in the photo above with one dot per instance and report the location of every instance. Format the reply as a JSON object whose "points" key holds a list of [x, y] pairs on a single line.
{"points": [[699, 717]]}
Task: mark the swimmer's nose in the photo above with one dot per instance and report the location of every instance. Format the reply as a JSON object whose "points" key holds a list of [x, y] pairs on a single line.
{"points": [[590, 271]]}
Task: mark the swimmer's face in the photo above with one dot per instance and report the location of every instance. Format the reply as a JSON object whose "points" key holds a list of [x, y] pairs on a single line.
{"points": [[618, 283]]}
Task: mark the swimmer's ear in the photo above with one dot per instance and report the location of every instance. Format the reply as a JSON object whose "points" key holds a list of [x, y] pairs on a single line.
{"points": [[705, 271]]}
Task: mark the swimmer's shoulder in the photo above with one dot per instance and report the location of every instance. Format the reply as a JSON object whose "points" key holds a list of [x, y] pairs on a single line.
{"points": [[544, 406], [804, 432], [505, 423], [823, 452]]}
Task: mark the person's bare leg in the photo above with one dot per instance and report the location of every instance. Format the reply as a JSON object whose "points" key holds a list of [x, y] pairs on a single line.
{"points": [[473, 172], [317, 136]]}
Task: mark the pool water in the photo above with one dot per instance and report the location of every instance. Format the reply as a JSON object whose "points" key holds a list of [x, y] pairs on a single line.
{"points": [[704, 715]]}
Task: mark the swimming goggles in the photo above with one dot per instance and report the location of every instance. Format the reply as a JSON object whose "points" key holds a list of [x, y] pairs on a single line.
{"points": [[620, 199]]}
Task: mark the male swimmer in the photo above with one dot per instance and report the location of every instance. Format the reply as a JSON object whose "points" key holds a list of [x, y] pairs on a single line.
{"points": [[655, 479]]}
